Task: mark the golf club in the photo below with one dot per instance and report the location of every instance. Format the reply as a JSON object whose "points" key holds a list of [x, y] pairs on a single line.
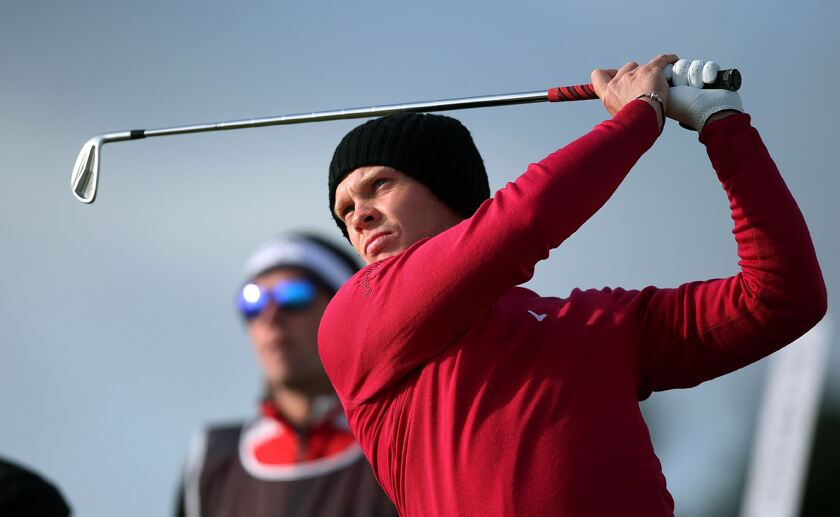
{"points": [[85, 178]]}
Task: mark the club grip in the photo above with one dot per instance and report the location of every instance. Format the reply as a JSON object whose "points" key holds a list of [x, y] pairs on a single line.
{"points": [[579, 92], [729, 79]]}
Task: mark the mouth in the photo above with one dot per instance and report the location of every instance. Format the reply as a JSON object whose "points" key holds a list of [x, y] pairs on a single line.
{"points": [[278, 346], [376, 243]]}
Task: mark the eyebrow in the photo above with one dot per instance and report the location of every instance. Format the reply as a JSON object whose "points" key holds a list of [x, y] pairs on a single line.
{"points": [[360, 184], [339, 206]]}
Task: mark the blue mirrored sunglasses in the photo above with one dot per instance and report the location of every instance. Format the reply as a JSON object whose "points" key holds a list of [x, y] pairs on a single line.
{"points": [[289, 295]]}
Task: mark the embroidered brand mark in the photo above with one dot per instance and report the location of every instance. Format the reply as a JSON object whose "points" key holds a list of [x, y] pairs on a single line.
{"points": [[366, 290], [538, 317]]}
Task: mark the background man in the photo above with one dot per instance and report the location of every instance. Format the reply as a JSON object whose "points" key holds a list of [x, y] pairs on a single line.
{"points": [[298, 456], [472, 396]]}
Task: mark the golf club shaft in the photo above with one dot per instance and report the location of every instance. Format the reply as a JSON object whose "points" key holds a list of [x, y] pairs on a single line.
{"points": [[729, 79], [560, 94]]}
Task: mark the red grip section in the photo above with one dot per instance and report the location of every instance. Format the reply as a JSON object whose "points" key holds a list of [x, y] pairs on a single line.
{"points": [[580, 92]]}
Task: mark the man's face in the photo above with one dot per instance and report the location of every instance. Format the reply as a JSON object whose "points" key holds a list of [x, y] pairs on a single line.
{"points": [[386, 211], [286, 340]]}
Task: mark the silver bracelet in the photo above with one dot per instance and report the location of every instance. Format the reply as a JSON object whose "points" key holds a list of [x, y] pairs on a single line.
{"points": [[655, 96]]}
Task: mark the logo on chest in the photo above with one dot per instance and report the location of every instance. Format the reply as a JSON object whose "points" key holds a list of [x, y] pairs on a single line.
{"points": [[538, 317]]}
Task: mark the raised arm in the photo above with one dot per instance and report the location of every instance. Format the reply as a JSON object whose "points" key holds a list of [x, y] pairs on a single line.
{"points": [[398, 313], [705, 329]]}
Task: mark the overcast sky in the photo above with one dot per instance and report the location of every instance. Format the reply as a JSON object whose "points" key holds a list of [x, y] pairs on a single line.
{"points": [[117, 329]]}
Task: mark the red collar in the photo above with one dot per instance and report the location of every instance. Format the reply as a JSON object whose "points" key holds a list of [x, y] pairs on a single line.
{"points": [[271, 448]]}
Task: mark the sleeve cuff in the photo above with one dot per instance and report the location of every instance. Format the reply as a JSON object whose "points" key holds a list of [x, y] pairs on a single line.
{"points": [[642, 117]]}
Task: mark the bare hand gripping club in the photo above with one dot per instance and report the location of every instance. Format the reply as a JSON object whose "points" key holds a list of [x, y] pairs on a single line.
{"points": [[85, 178]]}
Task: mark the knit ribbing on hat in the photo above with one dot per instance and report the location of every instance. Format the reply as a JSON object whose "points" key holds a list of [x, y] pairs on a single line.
{"points": [[436, 150]]}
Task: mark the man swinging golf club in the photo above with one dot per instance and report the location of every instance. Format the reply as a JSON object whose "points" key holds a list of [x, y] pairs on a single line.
{"points": [[472, 396]]}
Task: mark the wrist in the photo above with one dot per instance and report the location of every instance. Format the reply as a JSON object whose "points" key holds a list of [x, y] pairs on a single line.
{"points": [[719, 115], [656, 102]]}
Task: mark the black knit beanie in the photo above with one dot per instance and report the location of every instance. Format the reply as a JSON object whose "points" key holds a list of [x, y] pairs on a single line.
{"points": [[435, 150]]}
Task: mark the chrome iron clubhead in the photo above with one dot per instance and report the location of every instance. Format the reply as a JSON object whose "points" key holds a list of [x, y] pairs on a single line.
{"points": [[85, 178], [86, 171]]}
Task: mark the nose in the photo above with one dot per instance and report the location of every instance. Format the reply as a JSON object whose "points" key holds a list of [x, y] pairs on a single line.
{"points": [[271, 313], [364, 217]]}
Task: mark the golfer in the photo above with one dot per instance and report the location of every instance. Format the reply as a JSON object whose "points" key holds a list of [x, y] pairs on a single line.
{"points": [[472, 396]]}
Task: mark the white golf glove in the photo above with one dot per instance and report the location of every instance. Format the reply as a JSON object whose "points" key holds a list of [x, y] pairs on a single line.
{"points": [[691, 105]]}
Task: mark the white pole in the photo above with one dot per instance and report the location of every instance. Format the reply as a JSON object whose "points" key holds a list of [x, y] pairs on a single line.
{"points": [[785, 425]]}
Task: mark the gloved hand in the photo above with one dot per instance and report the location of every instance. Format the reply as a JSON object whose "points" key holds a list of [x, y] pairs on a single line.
{"points": [[691, 105]]}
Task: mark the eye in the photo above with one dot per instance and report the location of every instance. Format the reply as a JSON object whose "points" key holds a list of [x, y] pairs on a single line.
{"points": [[378, 182], [344, 211]]}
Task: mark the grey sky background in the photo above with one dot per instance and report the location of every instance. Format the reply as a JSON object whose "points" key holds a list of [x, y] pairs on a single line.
{"points": [[117, 330]]}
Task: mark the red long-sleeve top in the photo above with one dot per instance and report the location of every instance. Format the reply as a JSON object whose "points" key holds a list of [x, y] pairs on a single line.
{"points": [[471, 396]]}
